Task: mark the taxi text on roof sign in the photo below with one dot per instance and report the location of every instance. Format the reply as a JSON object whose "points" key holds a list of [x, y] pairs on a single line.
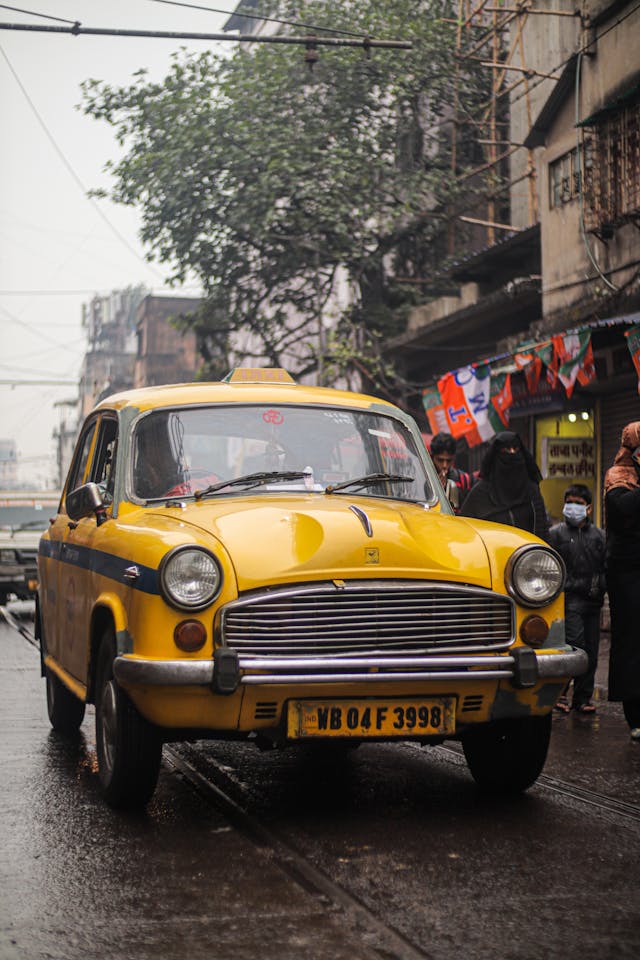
{"points": [[258, 375]]}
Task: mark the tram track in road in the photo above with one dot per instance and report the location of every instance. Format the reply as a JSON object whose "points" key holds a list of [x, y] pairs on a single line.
{"points": [[217, 785], [581, 794], [379, 938]]}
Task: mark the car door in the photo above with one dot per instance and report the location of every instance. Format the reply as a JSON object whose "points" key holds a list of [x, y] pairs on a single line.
{"points": [[81, 550], [57, 580]]}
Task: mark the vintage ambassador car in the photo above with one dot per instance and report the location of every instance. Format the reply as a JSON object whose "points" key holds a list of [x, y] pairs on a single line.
{"points": [[255, 558]]}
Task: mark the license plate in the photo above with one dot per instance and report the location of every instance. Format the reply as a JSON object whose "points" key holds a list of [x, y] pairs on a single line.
{"points": [[370, 718]]}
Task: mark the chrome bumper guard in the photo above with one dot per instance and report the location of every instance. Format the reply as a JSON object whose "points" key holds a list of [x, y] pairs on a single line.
{"points": [[524, 667]]}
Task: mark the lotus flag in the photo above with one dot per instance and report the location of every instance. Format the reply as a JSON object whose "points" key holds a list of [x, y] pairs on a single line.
{"points": [[575, 359], [432, 403], [547, 354], [633, 342], [528, 361], [501, 400], [465, 396]]}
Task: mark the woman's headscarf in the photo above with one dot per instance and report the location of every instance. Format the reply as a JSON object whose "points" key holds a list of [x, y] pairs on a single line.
{"points": [[508, 474], [624, 472]]}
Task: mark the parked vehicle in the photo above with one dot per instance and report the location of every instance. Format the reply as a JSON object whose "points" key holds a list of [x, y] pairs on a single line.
{"points": [[24, 514], [259, 559]]}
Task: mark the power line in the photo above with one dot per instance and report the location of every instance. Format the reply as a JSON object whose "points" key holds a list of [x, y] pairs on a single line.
{"points": [[76, 30], [66, 163], [90, 292], [257, 16], [39, 383], [32, 13]]}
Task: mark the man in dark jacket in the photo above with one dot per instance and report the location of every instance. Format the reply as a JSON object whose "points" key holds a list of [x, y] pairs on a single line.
{"points": [[582, 547], [443, 454]]}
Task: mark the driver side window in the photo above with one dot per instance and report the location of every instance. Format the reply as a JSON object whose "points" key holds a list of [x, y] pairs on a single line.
{"points": [[103, 465], [81, 457]]}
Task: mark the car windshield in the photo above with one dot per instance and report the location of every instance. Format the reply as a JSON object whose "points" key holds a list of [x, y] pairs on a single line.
{"points": [[27, 514], [287, 448]]}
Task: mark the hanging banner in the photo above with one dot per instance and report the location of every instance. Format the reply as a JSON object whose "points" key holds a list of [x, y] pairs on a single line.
{"points": [[532, 366], [633, 342], [547, 354], [465, 395], [432, 403], [575, 359], [501, 400]]}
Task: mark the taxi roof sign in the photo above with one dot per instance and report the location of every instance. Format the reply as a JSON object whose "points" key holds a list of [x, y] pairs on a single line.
{"points": [[258, 375]]}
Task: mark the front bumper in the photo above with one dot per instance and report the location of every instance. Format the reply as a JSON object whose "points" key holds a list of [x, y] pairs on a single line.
{"points": [[524, 667]]}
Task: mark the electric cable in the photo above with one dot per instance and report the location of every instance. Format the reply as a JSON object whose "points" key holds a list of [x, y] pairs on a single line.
{"points": [[72, 172], [257, 16], [33, 13]]}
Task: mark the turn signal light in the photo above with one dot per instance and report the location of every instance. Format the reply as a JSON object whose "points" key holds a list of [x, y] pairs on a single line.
{"points": [[190, 635], [534, 631]]}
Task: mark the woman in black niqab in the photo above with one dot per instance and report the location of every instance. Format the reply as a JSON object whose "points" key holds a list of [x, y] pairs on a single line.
{"points": [[508, 489]]}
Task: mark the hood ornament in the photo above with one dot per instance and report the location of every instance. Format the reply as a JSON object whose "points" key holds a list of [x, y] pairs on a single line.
{"points": [[363, 518]]}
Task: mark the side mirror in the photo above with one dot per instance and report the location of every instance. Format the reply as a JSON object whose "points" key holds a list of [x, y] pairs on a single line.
{"points": [[453, 494], [85, 500]]}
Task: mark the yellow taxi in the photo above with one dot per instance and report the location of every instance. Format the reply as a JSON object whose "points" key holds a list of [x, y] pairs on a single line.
{"points": [[259, 559]]}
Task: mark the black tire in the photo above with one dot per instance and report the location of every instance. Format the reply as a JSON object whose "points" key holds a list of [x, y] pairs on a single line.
{"points": [[129, 747], [508, 756], [66, 711]]}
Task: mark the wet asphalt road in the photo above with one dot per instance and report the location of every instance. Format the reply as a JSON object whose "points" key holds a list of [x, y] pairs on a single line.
{"points": [[401, 830]]}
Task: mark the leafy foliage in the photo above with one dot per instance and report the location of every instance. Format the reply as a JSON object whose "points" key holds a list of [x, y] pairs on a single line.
{"points": [[276, 185]]}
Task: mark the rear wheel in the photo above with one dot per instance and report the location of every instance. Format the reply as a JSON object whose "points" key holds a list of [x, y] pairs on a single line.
{"points": [[508, 756], [129, 747], [66, 711]]}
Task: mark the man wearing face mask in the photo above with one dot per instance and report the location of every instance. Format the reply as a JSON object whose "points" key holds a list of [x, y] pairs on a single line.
{"points": [[582, 547]]}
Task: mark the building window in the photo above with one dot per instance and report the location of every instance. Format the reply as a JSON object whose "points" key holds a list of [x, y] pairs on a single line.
{"points": [[564, 178], [612, 169]]}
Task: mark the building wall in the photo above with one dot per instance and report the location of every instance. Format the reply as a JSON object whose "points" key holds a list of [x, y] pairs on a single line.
{"points": [[165, 354], [547, 41], [571, 254]]}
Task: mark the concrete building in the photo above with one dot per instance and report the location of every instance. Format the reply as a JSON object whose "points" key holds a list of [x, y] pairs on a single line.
{"points": [[109, 362], [8, 465], [569, 264], [164, 354]]}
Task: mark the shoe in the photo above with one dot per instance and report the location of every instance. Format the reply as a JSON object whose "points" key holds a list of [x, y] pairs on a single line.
{"points": [[635, 733], [586, 708], [563, 705]]}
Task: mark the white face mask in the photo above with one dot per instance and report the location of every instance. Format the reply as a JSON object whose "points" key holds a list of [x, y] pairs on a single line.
{"points": [[574, 513]]}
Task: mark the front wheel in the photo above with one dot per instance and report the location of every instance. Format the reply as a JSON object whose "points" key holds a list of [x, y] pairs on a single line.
{"points": [[66, 711], [129, 747], [508, 756]]}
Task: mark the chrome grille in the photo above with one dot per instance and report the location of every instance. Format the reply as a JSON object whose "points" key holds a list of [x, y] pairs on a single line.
{"points": [[358, 618]]}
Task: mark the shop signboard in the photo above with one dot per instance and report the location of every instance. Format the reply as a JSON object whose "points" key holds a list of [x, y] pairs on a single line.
{"points": [[572, 459]]}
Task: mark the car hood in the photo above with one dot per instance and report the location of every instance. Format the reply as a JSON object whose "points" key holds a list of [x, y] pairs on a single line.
{"points": [[273, 541]]}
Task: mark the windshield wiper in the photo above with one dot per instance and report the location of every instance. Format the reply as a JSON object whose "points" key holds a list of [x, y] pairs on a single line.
{"points": [[252, 480], [368, 481]]}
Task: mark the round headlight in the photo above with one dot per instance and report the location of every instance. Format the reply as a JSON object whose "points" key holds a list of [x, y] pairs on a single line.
{"points": [[534, 576], [190, 578]]}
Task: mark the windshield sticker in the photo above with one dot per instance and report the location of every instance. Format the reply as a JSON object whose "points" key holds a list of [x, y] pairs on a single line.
{"points": [[273, 416]]}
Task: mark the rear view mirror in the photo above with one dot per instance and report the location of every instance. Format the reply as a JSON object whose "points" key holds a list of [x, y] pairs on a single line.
{"points": [[83, 501], [453, 493]]}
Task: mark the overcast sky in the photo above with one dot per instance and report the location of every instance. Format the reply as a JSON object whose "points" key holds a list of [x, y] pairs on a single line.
{"points": [[56, 250]]}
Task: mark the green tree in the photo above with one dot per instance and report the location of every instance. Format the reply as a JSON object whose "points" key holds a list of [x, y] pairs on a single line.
{"points": [[268, 180]]}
